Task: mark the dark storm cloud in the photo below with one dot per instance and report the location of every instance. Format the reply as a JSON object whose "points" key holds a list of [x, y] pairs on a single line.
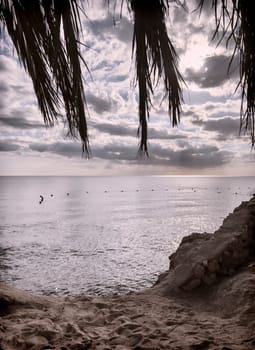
{"points": [[207, 8], [201, 97], [180, 15], [155, 134], [3, 66], [107, 65], [115, 152], [8, 147], [19, 123], [68, 149], [99, 104], [222, 39], [191, 157], [214, 71], [3, 88], [117, 78], [72, 149], [124, 130], [226, 126], [123, 29], [99, 27], [198, 121], [114, 129]]}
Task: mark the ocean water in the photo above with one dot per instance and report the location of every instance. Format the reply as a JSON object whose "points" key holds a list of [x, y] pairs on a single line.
{"points": [[102, 235]]}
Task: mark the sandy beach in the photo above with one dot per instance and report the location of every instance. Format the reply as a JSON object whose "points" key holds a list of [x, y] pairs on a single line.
{"points": [[222, 317], [212, 314]]}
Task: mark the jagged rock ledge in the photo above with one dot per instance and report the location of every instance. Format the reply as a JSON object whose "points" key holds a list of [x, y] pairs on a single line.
{"points": [[202, 259]]}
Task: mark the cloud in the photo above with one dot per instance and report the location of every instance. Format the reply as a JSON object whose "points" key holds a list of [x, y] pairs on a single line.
{"points": [[209, 116], [200, 97], [99, 104], [117, 78], [19, 123], [3, 65], [4, 88], [125, 130], [226, 126], [8, 147], [124, 30], [67, 149], [191, 157], [200, 157], [113, 151], [214, 71], [121, 29]]}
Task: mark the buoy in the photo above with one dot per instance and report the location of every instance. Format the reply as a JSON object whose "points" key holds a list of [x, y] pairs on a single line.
{"points": [[41, 199]]}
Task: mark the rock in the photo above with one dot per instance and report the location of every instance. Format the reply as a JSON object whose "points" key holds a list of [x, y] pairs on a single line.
{"points": [[199, 271], [161, 277], [213, 265], [192, 284], [182, 274], [251, 203], [195, 236], [209, 278], [202, 256], [205, 263], [39, 342], [231, 272]]}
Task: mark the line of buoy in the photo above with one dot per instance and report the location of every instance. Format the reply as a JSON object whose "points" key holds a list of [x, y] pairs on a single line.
{"points": [[137, 190]]}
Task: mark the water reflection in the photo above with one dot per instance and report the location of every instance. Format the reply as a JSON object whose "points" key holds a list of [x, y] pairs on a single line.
{"points": [[92, 242]]}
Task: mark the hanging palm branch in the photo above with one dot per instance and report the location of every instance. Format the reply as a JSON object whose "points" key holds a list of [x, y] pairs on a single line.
{"points": [[236, 21], [155, 58], [52, 62]]}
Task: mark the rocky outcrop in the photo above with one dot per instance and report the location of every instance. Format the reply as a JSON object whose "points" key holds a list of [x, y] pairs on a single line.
{"points": [[202, 259]]}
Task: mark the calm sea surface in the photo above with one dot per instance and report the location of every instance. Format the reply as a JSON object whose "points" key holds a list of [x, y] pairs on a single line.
{"points": [[104, 234]]}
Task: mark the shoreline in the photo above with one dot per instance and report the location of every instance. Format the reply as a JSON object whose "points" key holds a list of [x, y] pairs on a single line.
{"points": [[204, 301]]}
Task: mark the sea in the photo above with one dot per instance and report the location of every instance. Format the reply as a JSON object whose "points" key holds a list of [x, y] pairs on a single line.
{"points": [[104, 235]]}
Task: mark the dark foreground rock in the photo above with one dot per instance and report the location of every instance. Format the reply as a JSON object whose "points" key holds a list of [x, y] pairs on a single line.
{"points": [[203, 259]]}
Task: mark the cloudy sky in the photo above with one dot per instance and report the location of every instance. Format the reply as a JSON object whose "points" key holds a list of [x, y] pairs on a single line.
{"points": [[207, 141]]}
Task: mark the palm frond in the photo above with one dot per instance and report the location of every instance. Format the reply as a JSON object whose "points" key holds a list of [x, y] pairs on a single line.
{"points": [[155, 58], [236, 21], [52, 62]]}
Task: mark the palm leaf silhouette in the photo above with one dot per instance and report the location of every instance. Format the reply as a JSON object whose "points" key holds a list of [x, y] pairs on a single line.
{"points": [[236, 21], [54, 62]]}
